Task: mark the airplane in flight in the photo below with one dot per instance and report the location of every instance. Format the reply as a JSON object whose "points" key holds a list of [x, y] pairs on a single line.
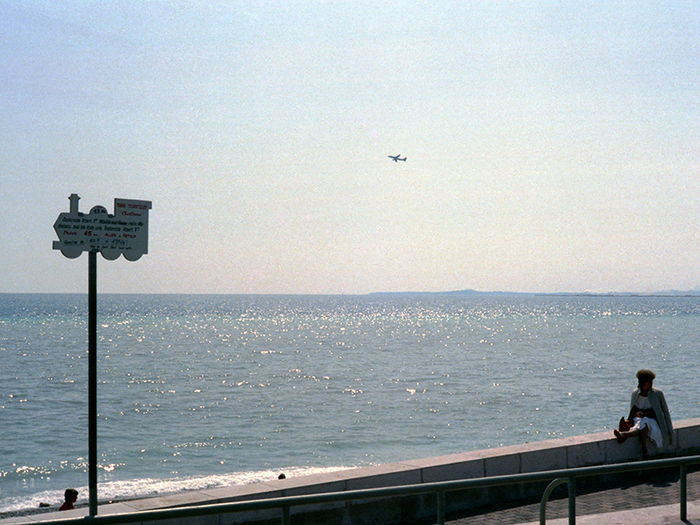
{"points": [[397, 158]]}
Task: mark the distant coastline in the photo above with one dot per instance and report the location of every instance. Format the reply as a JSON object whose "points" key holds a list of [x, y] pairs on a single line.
{"points": [[667, 293]]}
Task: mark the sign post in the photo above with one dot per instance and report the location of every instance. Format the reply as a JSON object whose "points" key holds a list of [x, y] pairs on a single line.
{"points": [[124, 233], [92, 381]]}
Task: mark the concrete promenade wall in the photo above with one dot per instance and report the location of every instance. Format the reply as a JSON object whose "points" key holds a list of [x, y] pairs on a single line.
{"points": [[578, 451]]}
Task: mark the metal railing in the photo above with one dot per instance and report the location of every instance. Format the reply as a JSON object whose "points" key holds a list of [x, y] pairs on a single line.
{"points": [[285, 504]]}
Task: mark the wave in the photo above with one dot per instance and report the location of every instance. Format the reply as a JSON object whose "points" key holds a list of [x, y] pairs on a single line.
{"points": [[112, 491]]}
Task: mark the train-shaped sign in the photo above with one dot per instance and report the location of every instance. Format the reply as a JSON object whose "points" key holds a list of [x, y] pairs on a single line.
{"points": [[125, 232]]}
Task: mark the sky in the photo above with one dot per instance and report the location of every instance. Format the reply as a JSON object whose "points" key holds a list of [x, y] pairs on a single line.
{"points": [[552, 146]]}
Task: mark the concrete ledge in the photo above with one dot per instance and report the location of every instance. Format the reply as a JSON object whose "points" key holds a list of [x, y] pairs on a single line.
{"points": [[577, 451]]}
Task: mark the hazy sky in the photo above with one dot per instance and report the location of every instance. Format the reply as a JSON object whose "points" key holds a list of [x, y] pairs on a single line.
{"points": [[552, 145]]}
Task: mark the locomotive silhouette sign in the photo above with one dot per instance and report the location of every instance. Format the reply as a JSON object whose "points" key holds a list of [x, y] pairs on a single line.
{"points": [[124, 233]]}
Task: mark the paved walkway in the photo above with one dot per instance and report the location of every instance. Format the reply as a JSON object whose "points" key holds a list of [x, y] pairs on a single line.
{"points": [[653, 503]]}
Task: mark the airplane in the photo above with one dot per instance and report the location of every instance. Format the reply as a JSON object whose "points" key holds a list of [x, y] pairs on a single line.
{"points": [[397, 158]]}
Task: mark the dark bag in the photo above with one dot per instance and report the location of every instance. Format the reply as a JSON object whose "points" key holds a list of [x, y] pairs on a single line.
{"points": [[625, 425]]}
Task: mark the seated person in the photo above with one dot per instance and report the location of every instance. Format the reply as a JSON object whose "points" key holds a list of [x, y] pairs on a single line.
{"points": [[649, 414]]}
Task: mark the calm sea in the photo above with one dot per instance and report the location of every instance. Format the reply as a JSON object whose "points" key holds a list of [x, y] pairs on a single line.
{"points": [[212, 390]]}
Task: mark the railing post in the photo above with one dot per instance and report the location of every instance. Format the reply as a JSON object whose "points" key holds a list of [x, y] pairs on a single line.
{"points": [[441, 507], [285, 515], [545, 497], [572, 500], [684, 492]]}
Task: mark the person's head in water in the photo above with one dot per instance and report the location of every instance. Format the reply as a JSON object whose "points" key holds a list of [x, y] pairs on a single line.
{"points": [[645, 376]]}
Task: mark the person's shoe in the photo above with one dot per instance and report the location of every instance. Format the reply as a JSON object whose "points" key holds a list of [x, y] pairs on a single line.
{"points": [[620, 438]]}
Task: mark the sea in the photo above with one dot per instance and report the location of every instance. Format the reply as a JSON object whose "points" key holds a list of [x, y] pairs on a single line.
{"points": [[203, 391]]}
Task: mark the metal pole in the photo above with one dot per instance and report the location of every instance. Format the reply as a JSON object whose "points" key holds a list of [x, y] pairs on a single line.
{"points": [[684, 492], [92, 380], [572, 500], [441, 507]]}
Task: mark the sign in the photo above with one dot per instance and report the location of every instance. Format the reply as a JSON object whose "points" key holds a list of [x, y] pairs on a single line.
{"points": [[124, 233]]}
